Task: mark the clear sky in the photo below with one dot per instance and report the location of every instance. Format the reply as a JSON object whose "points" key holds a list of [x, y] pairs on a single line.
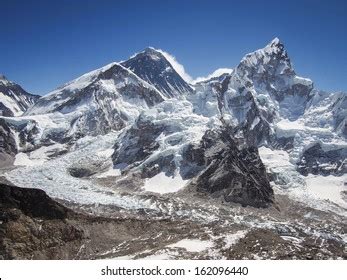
{"points": [[44, 44]]}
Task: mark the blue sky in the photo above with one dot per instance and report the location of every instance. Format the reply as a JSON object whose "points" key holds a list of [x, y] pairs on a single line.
{"points": [[47, 43]]}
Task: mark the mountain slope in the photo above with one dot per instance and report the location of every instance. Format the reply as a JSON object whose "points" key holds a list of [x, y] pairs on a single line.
{"points": [[197, 162], [95, 103], [8, 145], [271, 73], [100, 101], [200, 138], [300, 130], [14, 100], [152, 66], [263, 89], [94, 87]]}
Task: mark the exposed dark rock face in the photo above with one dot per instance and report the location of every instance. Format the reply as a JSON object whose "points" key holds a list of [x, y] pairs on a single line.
{"points": [[317, 161], [34, 226], [283, 143], [139, 142], [219, 154], [270, 245], [85, 168], [8, 147], [252, 127], [340, 113], [152, 66], [238, 175], [29, 135], [5, 111], [17, 99], [217, 164], [80, 172], [32, 202]]}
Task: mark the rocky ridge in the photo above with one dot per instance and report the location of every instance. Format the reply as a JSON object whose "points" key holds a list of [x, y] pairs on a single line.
{"points": [[14, 100]]}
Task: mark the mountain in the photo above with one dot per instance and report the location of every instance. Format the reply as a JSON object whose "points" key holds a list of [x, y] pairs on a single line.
{"points": [[133, 141], [204, 137], [263, 89], [8, 144], [100, 101], [152, 66], [171, 141], [14, 100], [96, 103], [248, 103], [269, 106], [101, 89]]}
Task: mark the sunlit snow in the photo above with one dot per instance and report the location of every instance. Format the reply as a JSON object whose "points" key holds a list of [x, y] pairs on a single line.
{"points": [[329, 188], [192, 245], [161, 183]]}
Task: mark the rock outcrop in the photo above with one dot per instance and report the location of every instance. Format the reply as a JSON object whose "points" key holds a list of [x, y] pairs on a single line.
{"points": [[14, 100], [315, 160], [32, 225], [8, 146], [238, 175], [152, 66]]}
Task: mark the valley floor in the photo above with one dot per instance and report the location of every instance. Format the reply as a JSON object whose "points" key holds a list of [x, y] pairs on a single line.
{"points": [[120, 219]]}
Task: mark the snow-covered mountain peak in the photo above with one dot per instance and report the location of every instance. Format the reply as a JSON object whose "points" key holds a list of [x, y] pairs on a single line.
{"points": [[263, 89], [273, 58], [269, 71], [96, 103], [275, 41], [14, 100], [275, 44], [107, 72], [2, 77], [82, 81], [153, 53], [4, 80], [147, 55], [149, 52], [158, 129], [276, 50], [111, 80], [154, 66]]}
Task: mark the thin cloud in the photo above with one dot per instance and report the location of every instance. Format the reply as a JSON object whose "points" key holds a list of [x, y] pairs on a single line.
{"points": [[216, 73], [179, 68]]}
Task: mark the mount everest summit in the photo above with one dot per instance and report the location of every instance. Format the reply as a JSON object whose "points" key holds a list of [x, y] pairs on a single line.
{"points": [[135, 133]]}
